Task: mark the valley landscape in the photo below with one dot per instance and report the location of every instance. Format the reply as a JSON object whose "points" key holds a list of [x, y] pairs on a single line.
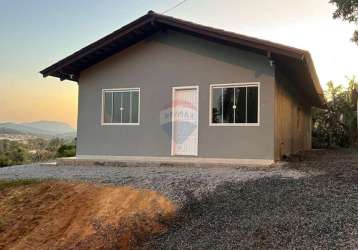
{"points": [[23, 143], [39, 129]]}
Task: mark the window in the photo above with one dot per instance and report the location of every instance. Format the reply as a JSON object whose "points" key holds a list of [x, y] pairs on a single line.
{"points": [[120, 106], [234, 104]]}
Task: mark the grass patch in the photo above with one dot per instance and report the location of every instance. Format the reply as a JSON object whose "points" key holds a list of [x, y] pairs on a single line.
{"points": [[5, 184]]}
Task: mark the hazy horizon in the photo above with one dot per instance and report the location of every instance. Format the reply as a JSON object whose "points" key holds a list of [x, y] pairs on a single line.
{"points": [[39, 33], [37, 121]]}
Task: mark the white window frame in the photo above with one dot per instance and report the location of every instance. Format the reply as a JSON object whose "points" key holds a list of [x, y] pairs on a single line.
{"points": [[228, 85], [118, 123]]}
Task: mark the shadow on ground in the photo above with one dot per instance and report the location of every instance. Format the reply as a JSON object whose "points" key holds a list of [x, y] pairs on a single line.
{"points": [[319, 211]]}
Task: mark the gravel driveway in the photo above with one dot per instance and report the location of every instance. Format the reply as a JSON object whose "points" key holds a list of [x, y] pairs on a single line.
{"points": [[309, 203], [317, 211], [175, 183]]}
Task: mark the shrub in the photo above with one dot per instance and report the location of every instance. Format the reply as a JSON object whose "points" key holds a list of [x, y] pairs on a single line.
{"points": [[4, 161], [66, 150]]}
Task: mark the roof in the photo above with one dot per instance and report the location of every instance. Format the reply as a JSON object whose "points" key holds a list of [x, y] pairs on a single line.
{"points": [[297, 64]]}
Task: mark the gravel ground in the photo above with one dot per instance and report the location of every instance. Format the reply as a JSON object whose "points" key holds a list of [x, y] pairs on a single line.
{"points": [[318, 211], [175, 183], [310, 202]]}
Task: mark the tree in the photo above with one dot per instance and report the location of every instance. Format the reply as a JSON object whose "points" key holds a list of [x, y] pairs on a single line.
{"points": [[12, 153], [336, 126], [348, 11]]}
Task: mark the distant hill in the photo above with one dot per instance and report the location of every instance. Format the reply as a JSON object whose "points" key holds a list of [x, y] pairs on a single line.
{"points": [[50, 126], [5, 130], [45, 129]]}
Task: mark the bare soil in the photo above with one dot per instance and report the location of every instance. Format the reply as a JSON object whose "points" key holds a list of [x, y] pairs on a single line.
{"points": [[64, 215]]}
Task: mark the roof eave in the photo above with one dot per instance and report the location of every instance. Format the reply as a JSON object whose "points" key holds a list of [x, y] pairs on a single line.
{"points": [[95, 45], [315, 80], [63, 69]]}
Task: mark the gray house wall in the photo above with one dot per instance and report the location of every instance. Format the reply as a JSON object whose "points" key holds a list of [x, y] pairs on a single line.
{"points": [[155, 65]]}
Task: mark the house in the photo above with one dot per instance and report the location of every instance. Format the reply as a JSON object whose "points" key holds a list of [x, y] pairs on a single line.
{"points": [[165, 87]]}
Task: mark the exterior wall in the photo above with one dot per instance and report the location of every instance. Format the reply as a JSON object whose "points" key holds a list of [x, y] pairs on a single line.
{"points": [[293, 119], [155, 66]]}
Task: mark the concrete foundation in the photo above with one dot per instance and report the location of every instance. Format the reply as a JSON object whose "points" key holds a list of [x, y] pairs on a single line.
{"points": [[145, 161]]}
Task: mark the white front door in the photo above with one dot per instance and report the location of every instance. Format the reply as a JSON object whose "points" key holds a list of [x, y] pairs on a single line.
{"points": [[185, 121]]}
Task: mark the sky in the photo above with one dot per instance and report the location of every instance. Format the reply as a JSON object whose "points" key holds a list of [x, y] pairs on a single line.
{"points": [[36, 33]]}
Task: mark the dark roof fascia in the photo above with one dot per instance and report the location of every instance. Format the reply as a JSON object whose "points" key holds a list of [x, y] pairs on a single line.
{"points": [[231, 37], [151, 18], [264, 45], [189, 26], [97, 44], [313, 74]]}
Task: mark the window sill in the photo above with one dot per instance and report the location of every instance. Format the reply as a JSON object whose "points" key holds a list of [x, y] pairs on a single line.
{"points": [[234, 125], [120, 124]]}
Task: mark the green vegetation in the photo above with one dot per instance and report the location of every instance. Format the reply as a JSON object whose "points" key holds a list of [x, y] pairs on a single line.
{"points": [[66, 150], [336, 126], [348, 11], [34, 150], [16, 183]]}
